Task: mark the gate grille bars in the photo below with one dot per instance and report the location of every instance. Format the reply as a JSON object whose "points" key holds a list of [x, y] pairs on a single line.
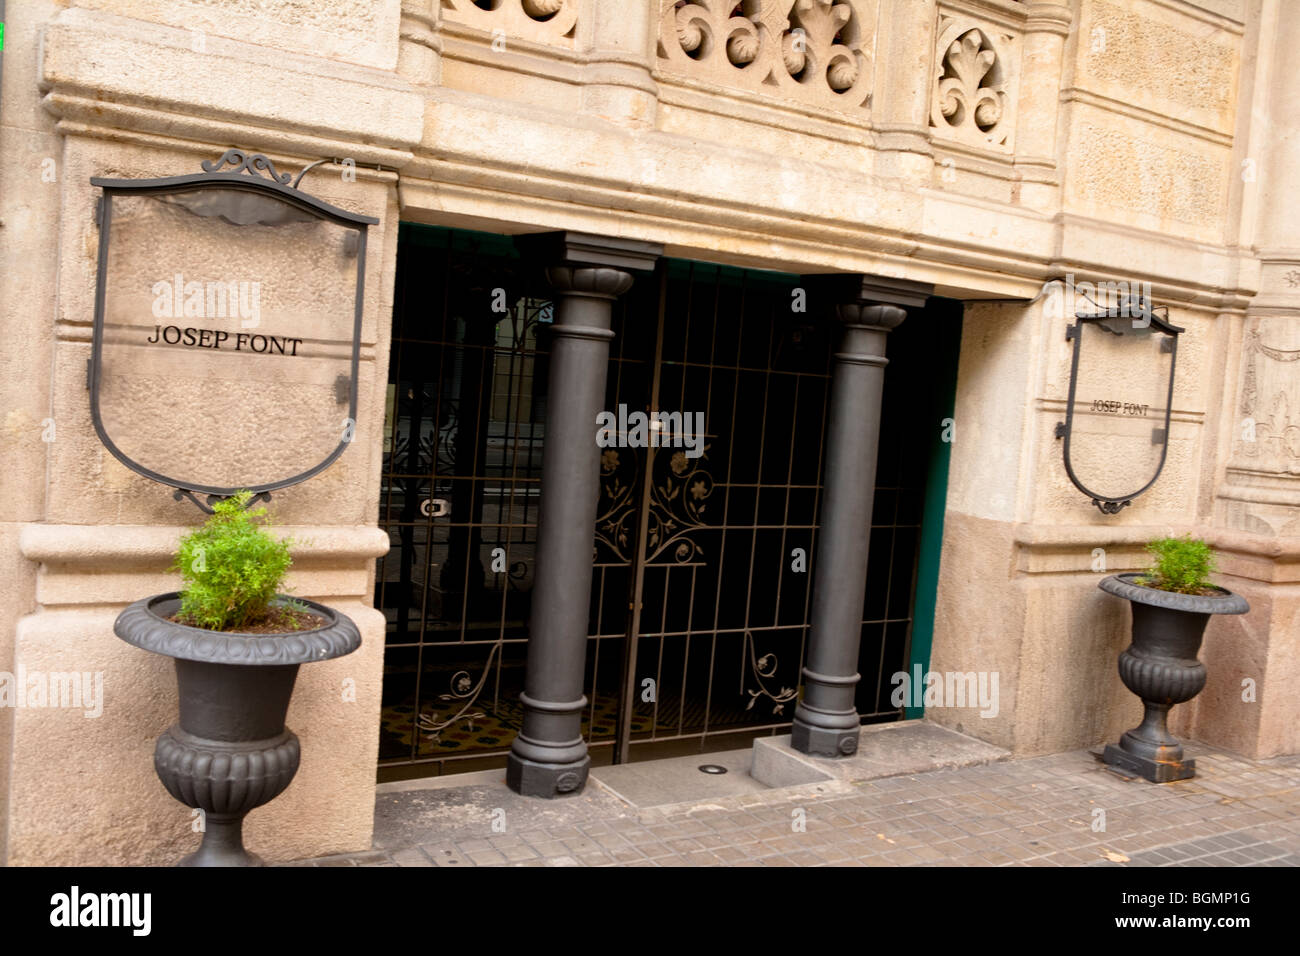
{"points": [[722, 632]]}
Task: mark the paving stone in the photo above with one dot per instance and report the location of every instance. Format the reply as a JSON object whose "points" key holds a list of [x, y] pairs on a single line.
{"points": [[655, 851], [550, 848], [446, 854], [516, 853], [411, 856], [374, 856], [1034, 811]]}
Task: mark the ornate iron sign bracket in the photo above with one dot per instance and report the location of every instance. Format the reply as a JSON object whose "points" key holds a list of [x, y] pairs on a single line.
{"points": [[1139, 321], [227, 328]]}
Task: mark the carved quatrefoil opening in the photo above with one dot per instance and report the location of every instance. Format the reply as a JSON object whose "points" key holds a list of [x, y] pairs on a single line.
{"points": [[813, 49], [540, 10], [970, 100], [538, 21]]}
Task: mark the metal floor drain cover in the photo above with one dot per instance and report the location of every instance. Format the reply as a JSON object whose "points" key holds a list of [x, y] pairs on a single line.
{"points": [[712, 768]]}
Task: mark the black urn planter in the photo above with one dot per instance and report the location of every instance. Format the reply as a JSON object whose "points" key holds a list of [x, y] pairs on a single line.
{"points": [[1161, 667], [230, 751]]}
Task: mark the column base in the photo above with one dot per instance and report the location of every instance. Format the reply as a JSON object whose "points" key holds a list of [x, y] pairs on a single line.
{"points": [[1156, 771], [823, 741], [547, 780]]}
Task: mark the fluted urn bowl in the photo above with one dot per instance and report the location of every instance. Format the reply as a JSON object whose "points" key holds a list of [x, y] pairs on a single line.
{"points": [[1162, 668], [230, 752]]}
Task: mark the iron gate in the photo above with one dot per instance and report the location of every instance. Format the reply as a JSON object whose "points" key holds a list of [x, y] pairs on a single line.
{"points": [[702, 580]]}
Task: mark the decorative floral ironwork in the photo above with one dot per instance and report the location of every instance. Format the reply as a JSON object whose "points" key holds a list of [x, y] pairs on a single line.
{"points": [[679, 494], [462, 689], [619, 469], [678, 500], [251, 163], [763, 668]]}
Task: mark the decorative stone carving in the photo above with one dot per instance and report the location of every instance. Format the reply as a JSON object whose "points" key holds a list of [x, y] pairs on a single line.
{"points": [[1261, 494], [543, 21], [972, 99], [1268, 437], [815, 51]]}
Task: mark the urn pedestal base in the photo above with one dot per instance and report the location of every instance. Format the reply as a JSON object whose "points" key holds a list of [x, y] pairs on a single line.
{"points": [[1149, 750], [223, 845], [1157, 771]]}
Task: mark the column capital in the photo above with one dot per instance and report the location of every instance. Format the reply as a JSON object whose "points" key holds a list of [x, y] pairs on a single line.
{"points": [[883, 318], [1049, 16], [581, 249], [843, 288], [600, 283]]}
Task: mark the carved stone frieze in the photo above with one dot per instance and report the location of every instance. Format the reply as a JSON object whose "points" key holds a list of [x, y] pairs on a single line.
{"points": [[542, 21], [813, 51], [976, 73]]}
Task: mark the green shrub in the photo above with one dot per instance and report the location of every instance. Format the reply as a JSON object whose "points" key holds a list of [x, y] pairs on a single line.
{"points": [[232, 567], [1182, 565]]}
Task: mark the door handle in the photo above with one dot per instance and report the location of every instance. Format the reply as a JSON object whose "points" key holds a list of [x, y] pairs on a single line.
{"points": [[435, 507]]}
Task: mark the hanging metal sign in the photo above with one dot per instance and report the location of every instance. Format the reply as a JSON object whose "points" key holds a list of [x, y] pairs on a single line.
{"points": [[1116, 426], [227, 327]]}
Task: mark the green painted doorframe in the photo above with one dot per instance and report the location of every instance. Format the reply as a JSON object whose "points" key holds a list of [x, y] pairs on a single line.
{"points": [[946, 315]]}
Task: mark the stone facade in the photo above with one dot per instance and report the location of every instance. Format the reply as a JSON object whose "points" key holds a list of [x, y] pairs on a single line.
{"points": [[982, 146]]}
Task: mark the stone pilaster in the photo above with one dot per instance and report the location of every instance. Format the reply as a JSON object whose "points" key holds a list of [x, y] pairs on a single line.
{"points": [[901, 101], [419, 53], [617, 82], [1046, 29]]}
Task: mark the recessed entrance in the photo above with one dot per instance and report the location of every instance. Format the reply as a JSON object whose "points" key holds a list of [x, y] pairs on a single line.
{"points": [[703, 555]]}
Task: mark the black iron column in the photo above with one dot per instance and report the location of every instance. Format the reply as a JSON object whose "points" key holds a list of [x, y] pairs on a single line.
{"points": [[825, 720], [549, 756]]}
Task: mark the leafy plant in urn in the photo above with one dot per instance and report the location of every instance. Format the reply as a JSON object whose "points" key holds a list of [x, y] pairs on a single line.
{"points": [[237, 641], [1172, 602]]}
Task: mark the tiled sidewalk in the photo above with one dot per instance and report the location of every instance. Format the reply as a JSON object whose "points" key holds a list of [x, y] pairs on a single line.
{"points": [[1060, 810]]}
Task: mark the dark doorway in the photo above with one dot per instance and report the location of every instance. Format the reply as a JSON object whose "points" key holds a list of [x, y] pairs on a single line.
{"points": [[703, 563]]}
